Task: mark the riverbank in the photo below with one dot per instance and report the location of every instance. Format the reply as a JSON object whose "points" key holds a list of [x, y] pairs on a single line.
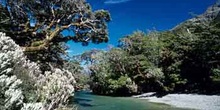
{"points": [[192, 101]]}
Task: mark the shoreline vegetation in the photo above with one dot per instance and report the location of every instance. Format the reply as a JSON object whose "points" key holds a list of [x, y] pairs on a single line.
{"points": [[182, 60], [37, 73], [191, 101], [33, 50]]}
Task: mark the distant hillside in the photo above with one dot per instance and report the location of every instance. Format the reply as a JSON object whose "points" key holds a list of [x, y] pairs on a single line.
{"points": [[211, 15]]}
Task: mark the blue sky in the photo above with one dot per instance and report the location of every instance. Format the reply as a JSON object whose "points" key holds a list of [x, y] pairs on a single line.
{"points": [[131, 15]]}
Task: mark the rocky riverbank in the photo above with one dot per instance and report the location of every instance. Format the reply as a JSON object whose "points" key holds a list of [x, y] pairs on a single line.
{"points": [[192, 101]]}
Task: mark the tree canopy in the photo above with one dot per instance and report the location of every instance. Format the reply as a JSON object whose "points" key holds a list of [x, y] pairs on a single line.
{"points": [[171, 61], [38, 25]]}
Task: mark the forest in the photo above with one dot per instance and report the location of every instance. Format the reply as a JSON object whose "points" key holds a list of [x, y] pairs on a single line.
{"points": [[184, 59], [170, 61], [36, 72]]}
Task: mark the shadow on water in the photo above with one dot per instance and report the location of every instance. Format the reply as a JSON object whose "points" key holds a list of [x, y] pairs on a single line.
{"points": [[85, 105], [81, 99], [83, 102], [88, 101]]}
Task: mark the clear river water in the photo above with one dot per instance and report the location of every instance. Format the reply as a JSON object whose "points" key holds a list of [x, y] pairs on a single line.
{"points": [[88, 101]]}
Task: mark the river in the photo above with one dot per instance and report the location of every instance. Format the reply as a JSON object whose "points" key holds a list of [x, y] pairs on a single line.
{"points": [[88, 101]]}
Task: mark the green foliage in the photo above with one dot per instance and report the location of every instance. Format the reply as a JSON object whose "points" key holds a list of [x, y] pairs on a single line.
{"points": [[131, 69], [215, 74], [143, 56], [81, 77], [38, 26], [108, 74], [120, 86], [188, 59], [177, 61]]}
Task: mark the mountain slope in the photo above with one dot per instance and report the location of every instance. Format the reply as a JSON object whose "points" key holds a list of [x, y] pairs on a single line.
{"points": [[211, 15]]}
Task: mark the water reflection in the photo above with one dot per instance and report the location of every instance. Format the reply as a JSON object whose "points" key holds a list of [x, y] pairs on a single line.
{"points": [[88, 101]]}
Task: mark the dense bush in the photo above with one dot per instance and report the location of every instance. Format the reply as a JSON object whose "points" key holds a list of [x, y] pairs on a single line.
{"points": [[108, 75], [24, 86], [172, 61], [80, 75]]}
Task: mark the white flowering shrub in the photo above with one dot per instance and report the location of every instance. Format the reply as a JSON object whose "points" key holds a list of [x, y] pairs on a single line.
{"points": [[10, 55], [24, 86], [58, 87]]}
